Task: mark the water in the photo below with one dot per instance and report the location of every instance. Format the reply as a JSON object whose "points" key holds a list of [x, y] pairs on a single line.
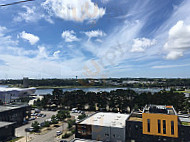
{"points": [[3, 86], [138, 90]]}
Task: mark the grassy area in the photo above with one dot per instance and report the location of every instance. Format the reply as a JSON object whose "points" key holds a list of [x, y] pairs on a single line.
{"points": [[186, 123], [16, 139], [183, 91]]}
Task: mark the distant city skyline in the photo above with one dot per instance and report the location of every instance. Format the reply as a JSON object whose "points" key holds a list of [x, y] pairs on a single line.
{"points": [[95, 39]]}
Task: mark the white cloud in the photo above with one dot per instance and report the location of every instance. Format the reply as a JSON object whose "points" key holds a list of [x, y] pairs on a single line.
{"points": [[30, 37], [56, 54], [140, 44], [97, 33], [69, 36], [105, 1], [42, 52], [178, 40], [74, 10], [32, 14], [169, 66], [172, 55], [2, 29]]}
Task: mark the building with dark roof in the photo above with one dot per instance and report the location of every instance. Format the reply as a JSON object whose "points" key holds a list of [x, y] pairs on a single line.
{"points": [[7, 131], [15, 113]]}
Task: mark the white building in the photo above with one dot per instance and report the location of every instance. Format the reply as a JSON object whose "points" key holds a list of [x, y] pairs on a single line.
{"points": [[8, 95], [103, 127]]}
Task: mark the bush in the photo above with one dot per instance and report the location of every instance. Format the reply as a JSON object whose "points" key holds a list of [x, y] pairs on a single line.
{"points": [[70, 123], [66, 135], [46, 124], [36, 126], [82, 116]]}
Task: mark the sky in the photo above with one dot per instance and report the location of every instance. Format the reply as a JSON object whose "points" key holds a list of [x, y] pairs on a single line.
{"points": [[95, 39]]}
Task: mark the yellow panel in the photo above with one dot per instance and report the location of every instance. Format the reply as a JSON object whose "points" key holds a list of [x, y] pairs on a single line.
{"points": [[154, 124]]}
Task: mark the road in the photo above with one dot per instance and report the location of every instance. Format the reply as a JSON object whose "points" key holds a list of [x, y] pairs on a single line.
{"points": [[50, 136], [20, 131]]}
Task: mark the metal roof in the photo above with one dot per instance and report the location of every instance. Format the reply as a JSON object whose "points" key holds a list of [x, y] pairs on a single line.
{"points": [[106, 119]]}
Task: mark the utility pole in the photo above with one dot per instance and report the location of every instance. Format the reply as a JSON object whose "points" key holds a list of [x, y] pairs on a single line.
{"points": [[26, 136]]}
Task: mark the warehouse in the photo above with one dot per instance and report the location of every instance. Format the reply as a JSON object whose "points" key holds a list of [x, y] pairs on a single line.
{"points": [[103, 127]]}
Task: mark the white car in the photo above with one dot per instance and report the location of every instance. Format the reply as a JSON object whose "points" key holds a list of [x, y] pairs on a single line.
{"points": [[58, 133]]}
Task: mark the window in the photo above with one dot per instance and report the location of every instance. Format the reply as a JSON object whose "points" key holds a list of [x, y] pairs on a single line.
{"points": [[159, 126], [172, 127], [107, 135], [148, 122], [164, 126]]}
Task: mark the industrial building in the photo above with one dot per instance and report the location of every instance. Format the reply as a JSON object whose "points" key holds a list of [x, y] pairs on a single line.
{"points": [[7, 131], [17, 114], [103, 127], [8, 95]]}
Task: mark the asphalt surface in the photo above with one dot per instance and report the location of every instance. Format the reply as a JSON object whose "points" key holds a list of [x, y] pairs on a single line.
{"points": [[20, 131]]}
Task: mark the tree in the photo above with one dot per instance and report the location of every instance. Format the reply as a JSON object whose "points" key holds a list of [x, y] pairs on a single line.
{"points": [[54, 119], [62, 114], [70, 123], [82, 116], [46, 124], [36, 126]]}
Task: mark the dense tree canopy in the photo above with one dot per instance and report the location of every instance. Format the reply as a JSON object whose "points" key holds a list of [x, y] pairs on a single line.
{"points": [[118, 100]]}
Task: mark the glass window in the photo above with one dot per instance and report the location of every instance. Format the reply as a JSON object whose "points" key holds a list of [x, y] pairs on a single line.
{"points": [[172, 127], [164, 126], [159, 126], [148, 122]]}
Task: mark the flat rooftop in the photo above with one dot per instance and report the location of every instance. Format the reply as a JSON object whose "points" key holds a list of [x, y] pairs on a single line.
{"points": [[10, 107], [106, 119], [84, 140], [161, 109], [4, 89], [3, 124]]}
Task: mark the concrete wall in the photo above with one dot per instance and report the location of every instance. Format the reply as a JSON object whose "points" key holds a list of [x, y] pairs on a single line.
{"points": [[6, 133], [111, 134]]}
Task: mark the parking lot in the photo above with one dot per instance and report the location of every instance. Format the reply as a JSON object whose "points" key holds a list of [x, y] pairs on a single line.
{"points": [[50, 136], [20, 131]]}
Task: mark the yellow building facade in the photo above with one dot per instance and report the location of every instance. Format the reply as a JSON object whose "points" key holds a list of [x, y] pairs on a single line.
{"points": [[160, 124]]}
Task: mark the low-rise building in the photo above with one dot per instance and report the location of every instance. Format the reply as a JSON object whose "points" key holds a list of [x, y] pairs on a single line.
{"points": [[8, 95], [157, 123], [103, 127], [7, 131], [17, 114]]}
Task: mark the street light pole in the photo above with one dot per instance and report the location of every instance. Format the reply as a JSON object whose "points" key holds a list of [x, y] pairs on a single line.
{"points": [[26, 136]]}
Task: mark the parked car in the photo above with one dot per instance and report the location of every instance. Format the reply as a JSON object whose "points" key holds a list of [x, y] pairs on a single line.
{"points": [[37, 110], [32, 118], [63, 141], [31, 129], [58, 133]]}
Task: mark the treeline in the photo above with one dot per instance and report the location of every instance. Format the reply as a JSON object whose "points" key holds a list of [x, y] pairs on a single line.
{"points": [[114, 101], [120, 82]]}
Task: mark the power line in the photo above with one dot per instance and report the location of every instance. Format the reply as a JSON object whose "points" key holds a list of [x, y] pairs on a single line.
{"points": [[15, 2]]}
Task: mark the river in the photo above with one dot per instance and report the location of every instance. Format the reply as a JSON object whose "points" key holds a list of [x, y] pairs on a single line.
{"points": [[93, 89]]}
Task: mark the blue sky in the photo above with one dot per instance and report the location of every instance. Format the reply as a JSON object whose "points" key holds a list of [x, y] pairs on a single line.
{"points": [[95, 39]]}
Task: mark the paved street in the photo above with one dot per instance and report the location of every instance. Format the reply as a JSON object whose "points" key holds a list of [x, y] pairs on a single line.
{"points": [[50, 136], [21, 130]]}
